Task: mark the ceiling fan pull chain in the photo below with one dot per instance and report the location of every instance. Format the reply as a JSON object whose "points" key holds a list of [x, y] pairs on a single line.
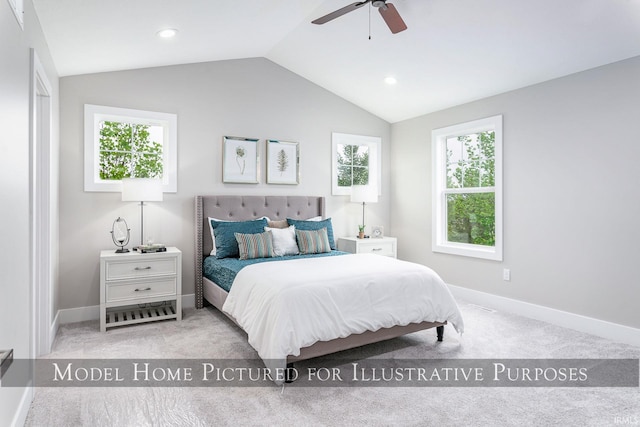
{"points": [[370, 21]]}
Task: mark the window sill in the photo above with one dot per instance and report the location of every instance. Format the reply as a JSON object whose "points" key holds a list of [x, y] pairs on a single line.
{"points": [[472, 251]]}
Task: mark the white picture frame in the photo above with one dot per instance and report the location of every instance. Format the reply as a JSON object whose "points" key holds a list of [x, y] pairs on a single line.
{"points": [[283, 162], [240, 160]]}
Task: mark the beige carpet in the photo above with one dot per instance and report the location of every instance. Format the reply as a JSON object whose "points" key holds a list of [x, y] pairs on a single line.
{"points": [[208, 334]]}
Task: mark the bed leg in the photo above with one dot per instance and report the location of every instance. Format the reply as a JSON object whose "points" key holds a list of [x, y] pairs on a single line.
{"points": [[440, 332], [289, 374]]}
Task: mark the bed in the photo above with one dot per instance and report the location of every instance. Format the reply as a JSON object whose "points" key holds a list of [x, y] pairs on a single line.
{"points": [[279, 208]]}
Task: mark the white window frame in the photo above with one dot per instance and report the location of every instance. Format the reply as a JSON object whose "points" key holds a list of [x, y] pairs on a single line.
{"points": [[375, 159], [95, 114], [439, 218]]}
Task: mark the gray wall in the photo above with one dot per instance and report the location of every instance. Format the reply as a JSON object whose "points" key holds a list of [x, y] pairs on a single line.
{"points": [[252, 98], [571, 205], [15, 292]]}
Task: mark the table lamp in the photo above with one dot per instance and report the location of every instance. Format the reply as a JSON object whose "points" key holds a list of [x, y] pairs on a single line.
{"points": [[141, 190], [364, 194]]}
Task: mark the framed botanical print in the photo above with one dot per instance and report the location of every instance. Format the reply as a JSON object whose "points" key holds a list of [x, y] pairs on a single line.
{"points": [[283, 162], [240, 160]]}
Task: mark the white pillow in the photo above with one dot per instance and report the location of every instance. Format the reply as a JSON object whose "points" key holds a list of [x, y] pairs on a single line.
{"points": [[284, 240], [315, 218], [213, 236]]}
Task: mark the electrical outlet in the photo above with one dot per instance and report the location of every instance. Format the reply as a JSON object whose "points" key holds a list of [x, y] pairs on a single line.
{"points": [[506, 274]]}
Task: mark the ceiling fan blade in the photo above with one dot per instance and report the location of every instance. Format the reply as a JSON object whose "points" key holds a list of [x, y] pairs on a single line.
{"points": [[392, 18], [338, 13]]}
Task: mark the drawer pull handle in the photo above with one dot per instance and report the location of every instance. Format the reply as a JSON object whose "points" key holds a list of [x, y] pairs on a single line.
{"points": [[142, 268], [145, 289], [376, 249]]}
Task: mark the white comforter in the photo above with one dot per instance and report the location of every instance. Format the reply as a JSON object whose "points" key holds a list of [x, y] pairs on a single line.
{"points": [[286, 305]]}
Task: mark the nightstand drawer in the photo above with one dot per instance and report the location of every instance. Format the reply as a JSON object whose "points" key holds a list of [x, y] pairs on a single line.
{"points": [[140, 289], [378, 248], [385, 246], [140, 268]]}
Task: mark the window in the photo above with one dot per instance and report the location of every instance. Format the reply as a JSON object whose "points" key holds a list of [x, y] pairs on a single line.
{"points": [[123, 143], [467, 189], [356, 161]]}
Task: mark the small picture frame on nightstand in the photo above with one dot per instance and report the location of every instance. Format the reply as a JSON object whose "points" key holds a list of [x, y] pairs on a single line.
{"points": [[377, 231]]}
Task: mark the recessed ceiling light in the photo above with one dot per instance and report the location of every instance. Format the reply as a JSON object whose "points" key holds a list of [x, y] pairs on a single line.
{"points": [[390, 80], [167, 33]]}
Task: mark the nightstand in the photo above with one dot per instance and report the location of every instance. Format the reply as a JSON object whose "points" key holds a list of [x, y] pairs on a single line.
{"points": [[382, 246], [137, 288]]}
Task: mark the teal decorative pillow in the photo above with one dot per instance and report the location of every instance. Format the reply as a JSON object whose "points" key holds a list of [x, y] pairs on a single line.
{"points": [[315, 225], [225, 239], [313, 241], [255, 245], [213, 236]]}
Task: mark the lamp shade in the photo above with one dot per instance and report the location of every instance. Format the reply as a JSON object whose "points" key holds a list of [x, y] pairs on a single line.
{"points": [[364, 194], [141, 190]]}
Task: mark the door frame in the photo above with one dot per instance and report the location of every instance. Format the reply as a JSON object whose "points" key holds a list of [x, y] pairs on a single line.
{"points": [[40, 181]]}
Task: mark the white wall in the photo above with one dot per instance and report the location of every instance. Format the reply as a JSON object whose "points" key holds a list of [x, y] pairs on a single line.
{"points": [[15, 292], [571, 201], [251, 98]]}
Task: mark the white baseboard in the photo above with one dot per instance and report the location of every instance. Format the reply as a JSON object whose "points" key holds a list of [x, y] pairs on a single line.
{"points": [[589, 325], [20, 417], [81, 314], [189, 301], [55, 325], [78, 314]]}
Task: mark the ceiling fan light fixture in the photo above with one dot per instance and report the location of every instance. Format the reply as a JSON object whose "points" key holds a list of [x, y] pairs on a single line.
{"points": [[167, 33], [388, 11]]}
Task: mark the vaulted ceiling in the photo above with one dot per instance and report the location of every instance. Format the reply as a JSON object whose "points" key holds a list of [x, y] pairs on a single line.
{"points": [[454, 51]]}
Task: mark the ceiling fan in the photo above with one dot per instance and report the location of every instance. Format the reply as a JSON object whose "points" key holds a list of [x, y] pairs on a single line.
{"points": [[387, 10]]}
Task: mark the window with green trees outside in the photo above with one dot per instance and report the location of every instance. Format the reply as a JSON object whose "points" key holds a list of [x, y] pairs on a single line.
{"points": [[357, 160], [467, 217], [353, 165], [130, 150], [124, 143]]}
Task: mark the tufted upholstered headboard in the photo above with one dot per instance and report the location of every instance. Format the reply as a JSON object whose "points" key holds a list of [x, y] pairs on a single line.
{"points": [[241, 208]]}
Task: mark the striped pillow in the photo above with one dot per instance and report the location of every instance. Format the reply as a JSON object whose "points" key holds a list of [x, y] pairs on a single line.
{"points": [[259, 245], [312, 224], [313, 241]]}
